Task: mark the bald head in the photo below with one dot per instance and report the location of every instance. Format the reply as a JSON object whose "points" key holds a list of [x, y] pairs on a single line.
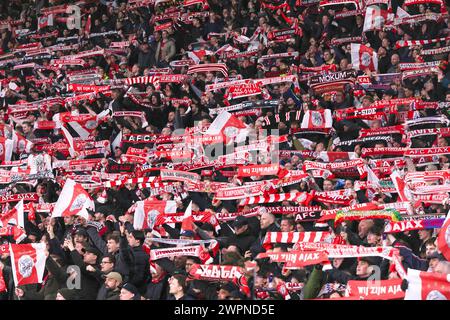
{"points": [[266, 220], [364, 226]]}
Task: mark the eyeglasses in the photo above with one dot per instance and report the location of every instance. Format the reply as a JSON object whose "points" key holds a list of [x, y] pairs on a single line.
{"points": [[103, 262]]}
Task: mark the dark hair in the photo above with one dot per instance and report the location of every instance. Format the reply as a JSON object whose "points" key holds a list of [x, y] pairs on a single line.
{"points": [[376, 230], [181, 281], [113, 237], [138, 235], [194, 259], [111, 258], [289, 220], [429, 242]]}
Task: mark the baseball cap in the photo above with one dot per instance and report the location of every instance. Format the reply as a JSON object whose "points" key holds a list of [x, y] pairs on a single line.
{"points": [[131, 288], [93, 251], [82, 232], [114, 275], [240, 222]]}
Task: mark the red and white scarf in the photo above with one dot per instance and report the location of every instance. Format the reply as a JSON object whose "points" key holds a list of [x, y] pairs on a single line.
{"points": [[299, 197], [294, 237]]}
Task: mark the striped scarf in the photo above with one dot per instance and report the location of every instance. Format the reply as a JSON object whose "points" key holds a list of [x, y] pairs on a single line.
{"points": [[300, 197], [409, 43], [294, 237], [209, 67]]}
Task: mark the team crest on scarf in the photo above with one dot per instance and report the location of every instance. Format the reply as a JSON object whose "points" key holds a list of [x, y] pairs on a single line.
{"points": [[366, 59], [435, 295], [317, 119], [91, 124], [151, 218], [231, 131], [26, 265], [78, 203], [38, 161]]}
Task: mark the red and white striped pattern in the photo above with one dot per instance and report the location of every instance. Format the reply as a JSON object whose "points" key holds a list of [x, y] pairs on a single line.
{"points": [[410, 43], [142, 80], [115, 183], [293, 196], [209, 67], [295, 237]]}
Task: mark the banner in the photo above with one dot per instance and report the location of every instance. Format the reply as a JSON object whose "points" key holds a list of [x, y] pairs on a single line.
{"points": [[214, 272], [375, 290], [19, 196], [295, 259]]}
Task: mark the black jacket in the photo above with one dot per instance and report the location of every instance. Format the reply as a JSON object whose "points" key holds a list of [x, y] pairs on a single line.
{"points": [[158, 290], [107, 294], [89, 283], [243, 241], [120, 266], [138, 263], [56, 279], [257, 245]]}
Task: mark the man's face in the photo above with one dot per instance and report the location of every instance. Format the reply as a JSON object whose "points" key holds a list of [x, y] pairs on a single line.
{"points": [[89, 258], [126, 295], [442, 142], [447, 97], [174, 286], [240, 230], [106, 265], [112, 246], [223, 294], [440, 268], [132, 241], [189, 264], [79, 238], [327, 186], [362, 268], [337, 262], [40, 190], [111, 284], [265, 221], [348, 184], [372, 238], [433, 264], [395, 59], [285, 226], [423, 235], [339, 97], [430, 249], [366, 103], [363, 228], [295, 160], [79, 247]]}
